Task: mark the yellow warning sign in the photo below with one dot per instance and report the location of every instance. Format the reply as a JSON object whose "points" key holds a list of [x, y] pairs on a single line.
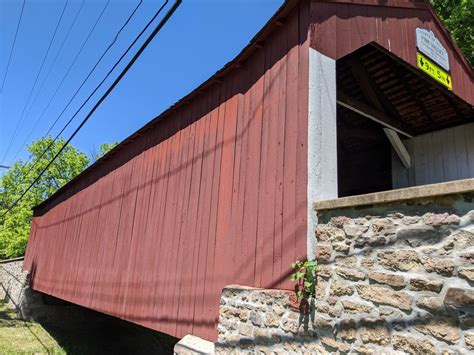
{"points": [[434, 71]]}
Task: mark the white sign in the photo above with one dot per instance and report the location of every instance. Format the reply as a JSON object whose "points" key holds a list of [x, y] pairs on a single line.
{"points": [[428, 44]]}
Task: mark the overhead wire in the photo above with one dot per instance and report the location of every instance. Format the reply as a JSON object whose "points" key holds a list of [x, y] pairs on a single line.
{"points": [[80, 87], [74, 61], [20, 120], [93, 92], [68, 33], [13, 45], [109, 90]]}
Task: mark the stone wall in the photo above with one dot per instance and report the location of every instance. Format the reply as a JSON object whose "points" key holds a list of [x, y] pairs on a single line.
{"points": [[393, 279], [12, 281]]}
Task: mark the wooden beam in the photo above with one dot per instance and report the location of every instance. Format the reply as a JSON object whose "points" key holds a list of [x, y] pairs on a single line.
{"points": [[399, 147], [361, 76], [370, 88], [414, 94], [373, 114]]}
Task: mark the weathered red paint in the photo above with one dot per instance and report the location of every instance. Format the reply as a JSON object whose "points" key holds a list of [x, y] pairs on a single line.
{"points": [[339, 27], [213, 191]]}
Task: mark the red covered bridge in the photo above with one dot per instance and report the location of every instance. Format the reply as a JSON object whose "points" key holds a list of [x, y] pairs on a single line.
{"points": [[218, 189]]}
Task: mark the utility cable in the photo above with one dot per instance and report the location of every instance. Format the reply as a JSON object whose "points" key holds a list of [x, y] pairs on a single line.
{"points": [[80, 87], [13, 45], [48, 73], [20, 120], [97, 87], [74, 60], [109, 90]]}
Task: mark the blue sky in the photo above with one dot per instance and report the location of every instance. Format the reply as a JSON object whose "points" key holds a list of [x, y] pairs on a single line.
{"points": [[196, 42]]}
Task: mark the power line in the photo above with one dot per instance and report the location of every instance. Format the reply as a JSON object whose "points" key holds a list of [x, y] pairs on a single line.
{"points": [[36, 80], [74, 61], [13, 45], [49, 70], [82, 84], [109, 90], [96, 88]]}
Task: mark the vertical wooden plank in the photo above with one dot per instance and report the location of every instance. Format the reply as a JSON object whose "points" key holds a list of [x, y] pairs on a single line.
{"points": [[92, 251], [411, 171], [215, 279], [164, 289], [58, 262], [289, 172], [265, 231], [252, 177], [199, 316], [185, 311], [156, 210], [191, 237], [183, 211], [110, 237], [358, 23], [243, 133], [135, 292], [224, 243], [461, 152], [236, 219], [124, 241], [278, 249], [343, 29], [177, 219], [449, 155], [438, 174], [427, 142], [396, 170], [146, 256], [301, 195], [157, 226], [262, 204], [206, 318], [76, 273], [325, 15], [469, 138], [420, 161]]}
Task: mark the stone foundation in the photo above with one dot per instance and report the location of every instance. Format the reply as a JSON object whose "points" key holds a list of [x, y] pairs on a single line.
{"points": [[393, 279], [12, 281]]}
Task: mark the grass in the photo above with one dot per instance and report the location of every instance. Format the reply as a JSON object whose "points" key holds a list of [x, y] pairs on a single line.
{"points": [[76, 330], [21, 337]]}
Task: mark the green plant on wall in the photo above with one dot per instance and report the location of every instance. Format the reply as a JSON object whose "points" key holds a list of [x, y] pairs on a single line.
{"points": [[305, 276]]}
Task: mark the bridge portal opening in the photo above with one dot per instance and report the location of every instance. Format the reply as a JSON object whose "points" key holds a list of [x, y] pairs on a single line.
{"points": [[397, 127]]}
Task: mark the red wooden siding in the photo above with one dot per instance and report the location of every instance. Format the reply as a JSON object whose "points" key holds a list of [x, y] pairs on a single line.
{"points": [[214, 191], [212, 195], [339, 27]]}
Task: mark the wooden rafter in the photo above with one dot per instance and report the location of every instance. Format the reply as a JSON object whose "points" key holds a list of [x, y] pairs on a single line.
{"points": [[369, 88], [373, 114]]}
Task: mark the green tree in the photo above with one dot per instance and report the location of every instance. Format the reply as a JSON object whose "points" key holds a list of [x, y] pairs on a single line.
{"points": [[103, 149], [458, 17], [15, 225]]}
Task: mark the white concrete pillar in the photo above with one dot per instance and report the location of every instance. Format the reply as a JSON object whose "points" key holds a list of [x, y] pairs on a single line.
{"points": [[322, 137]]}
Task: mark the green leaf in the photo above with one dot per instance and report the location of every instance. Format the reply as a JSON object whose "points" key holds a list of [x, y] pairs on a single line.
{"points": [[15, 225]]}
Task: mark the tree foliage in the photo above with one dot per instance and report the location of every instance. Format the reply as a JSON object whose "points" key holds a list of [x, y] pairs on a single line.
{"points": [[15, 225], [458, 17], [104, 148]]}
